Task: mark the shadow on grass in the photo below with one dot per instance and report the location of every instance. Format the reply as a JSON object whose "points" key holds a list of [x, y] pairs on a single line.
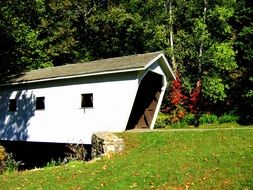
{"points": [[36, 154]]}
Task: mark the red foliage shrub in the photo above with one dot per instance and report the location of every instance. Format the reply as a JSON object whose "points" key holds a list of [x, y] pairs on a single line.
{"points": [[176, 96], [175, 102], [194, 98]]}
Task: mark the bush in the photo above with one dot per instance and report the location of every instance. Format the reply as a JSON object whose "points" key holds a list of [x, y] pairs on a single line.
{"points": [[161, 121], [3, 153], [11, 163], [208, 119], [53, 163], [227, 118], [7, 162], [3, 157], [164, 120], [189, 119]]}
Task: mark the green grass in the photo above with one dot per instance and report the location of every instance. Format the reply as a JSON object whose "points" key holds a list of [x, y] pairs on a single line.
{"points": [[216, 159], [206, 126], [222, 125]]}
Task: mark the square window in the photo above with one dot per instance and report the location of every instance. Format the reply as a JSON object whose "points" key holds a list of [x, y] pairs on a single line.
{"points": [[87, 100], [40, 103], [12, 105]]}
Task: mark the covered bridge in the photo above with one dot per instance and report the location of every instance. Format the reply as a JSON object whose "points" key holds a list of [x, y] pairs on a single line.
{"points": [[67, 104]]}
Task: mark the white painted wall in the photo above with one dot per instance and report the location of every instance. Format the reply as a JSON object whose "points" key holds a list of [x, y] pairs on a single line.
{"points": [[63, 119]]}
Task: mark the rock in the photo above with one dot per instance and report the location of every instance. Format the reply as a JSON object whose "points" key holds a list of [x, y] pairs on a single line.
{"points": [[106, 143]]}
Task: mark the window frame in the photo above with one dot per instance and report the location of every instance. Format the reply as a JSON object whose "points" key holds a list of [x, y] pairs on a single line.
{"points": [[12, 105], [87, 100], [40, 103]]}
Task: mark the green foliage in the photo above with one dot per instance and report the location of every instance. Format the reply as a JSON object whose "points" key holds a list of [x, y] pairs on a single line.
{"points": [[3, 156], [243, 25], [41, 32], [7, 162], [162, 121], [114, 32], [190, 119], [186, 121], [200, 30], [208, 119], [173, 121], [221, 14], [11, 163], [180, 124], [223, 57], [227, 118], [53, 163], [214, 89], [246, 108], [3, 153]]}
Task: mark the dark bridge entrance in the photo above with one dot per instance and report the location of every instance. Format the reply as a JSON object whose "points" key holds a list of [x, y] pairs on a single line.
{"points": [[146, 101]]}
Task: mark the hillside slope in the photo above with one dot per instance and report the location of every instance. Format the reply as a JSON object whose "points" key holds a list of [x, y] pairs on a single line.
{"points": [[218, 159]]}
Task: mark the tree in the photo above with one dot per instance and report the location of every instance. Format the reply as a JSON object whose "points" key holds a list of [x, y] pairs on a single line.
{"points": [[209, 56], [114, 32], [40, 33], [208, 43], [242, 79], [171, 39]]}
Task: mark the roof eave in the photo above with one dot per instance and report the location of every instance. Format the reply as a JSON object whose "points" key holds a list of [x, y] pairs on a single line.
{"points": [[72, 76], [168, 71]]}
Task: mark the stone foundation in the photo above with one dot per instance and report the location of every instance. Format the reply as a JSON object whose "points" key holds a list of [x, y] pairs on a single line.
{"points": [[104, 143]]}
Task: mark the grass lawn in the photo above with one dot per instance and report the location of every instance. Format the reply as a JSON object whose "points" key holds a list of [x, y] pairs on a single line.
{"points": [[213, 159], [205, 126]]}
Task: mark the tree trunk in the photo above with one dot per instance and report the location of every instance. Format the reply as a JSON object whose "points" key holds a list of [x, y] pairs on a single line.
{"points": [[202, 42], [173, 60]]}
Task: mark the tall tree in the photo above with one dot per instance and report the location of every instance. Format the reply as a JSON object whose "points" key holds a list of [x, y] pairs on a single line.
{"points": [[203, 36], [41, 32], [114, 32], [242, 79], [173, 60]]}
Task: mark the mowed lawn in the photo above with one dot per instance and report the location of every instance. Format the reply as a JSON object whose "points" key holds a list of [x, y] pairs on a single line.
{"points": [[193, 159]]}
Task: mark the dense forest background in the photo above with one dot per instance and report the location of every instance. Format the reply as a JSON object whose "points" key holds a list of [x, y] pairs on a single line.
{"points": [[209, 44]]}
